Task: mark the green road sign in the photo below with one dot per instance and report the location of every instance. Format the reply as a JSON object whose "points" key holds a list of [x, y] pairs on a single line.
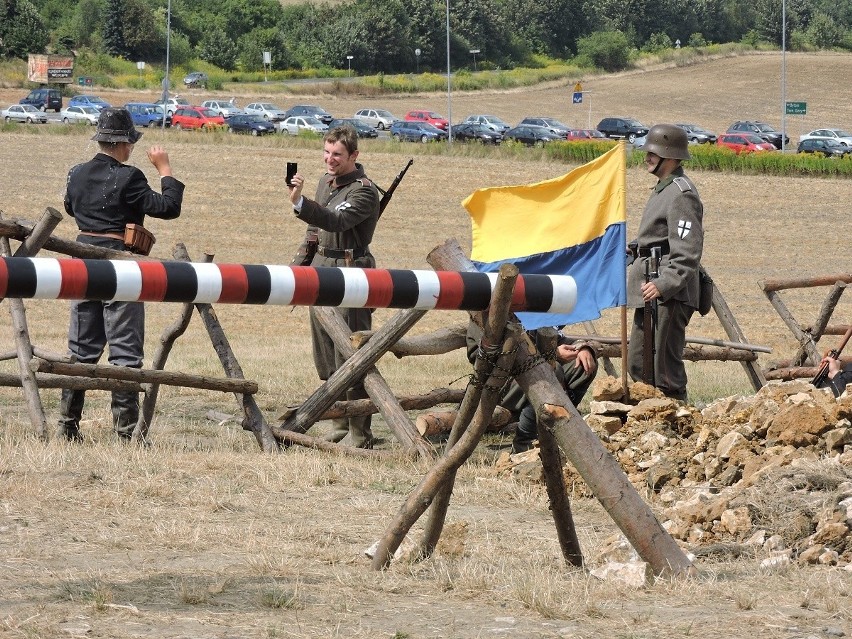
{"points": [[796, 108]]}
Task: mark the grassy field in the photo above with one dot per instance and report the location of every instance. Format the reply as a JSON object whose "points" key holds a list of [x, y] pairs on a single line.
{"points": [[202, 536]]}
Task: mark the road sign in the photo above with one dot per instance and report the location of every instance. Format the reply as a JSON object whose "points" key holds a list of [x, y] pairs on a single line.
{"points": [[577, 98], [796, 108]]}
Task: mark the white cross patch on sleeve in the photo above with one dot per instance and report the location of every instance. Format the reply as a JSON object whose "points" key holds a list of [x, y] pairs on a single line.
{"points": [[683, 228]]}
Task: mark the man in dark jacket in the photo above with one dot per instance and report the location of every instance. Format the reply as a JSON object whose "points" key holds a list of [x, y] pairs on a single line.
{"points": [[839, 376], [672, 222], [103, 195], [344, 214]]}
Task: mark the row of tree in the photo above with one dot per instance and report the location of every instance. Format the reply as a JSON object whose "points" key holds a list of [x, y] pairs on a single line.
{"points": [[383, 35]]}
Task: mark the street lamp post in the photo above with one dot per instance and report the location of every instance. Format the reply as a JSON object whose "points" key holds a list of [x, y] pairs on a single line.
{"points": [[349, 62], [473, 53], [417, 57], [168, 47], [783, 72], [449, 85]]}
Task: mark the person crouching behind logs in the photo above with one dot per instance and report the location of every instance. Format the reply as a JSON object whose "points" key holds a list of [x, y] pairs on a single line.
{"points": [[342, 218], [104, 196], [671, 223]]}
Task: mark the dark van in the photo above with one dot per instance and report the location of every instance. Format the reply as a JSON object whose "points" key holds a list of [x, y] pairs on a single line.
{"points": [[44, 99]]}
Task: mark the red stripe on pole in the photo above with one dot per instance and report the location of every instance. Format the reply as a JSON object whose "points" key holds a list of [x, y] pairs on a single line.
{"points": [[519, 295], [380, 285], [154, 281], [75, 279], [452, 290], [234, 283], [4, 279], [306, 288]]}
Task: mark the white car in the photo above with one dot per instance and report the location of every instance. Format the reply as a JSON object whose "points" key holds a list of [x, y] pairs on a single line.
{"points": [[491, 121], [376, 118], [838, 135], [173, 104], [266, 110], [225, 108], [23, 113], [84, 114], [295, 124]]}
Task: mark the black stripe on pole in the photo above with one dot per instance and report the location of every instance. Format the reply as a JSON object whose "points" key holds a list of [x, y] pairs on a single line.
{"points": [[406, 289], [102, 282], [332, 286], [259, 284], [181, 282], [539, 292], [22, 278], [477, 291]]}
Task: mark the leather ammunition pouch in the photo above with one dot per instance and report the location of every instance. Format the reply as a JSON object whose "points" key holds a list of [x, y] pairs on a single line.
{"points": [[138, 239], [307, 249], [705, 291]]}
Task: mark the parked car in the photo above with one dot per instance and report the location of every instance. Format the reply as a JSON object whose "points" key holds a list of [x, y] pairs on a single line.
{"points": [[576, 135], [250, 124], [476, 132], [760, 129], [194, 117], [491, 121], [431, 117], [147, 114], [44, 99], [23, 113], [377, 118], [295, 124], [697, 135], [79, 114], [532, 135], [744, 143], [416, 131], [89, 100], [310, 111], [266, 110], [173, 104], [828, 147], [551, 123], [225, 108], [838, 135], [195, 79], [363, 130], [622, 128]]}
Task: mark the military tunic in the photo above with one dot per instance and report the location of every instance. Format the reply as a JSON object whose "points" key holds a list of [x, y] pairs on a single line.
{"points": [[673, 221], [344, 213]]}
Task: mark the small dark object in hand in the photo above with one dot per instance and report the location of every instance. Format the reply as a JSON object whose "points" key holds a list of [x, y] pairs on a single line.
{"points": [[292, 167]]}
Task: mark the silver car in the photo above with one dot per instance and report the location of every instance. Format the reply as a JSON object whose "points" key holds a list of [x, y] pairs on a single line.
{"points": [[225, 108], [23, 113], [295, 124], [83, 114], [377, 118], [266, 110]]}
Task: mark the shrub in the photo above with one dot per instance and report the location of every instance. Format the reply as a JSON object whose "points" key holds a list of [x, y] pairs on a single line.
{"points": [[609, 50]]}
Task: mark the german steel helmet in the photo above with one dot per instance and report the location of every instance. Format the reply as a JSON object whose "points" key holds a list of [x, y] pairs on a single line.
{"points": [[667, 141], [116, 125]]}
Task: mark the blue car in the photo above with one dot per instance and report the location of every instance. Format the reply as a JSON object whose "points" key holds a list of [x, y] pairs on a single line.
{"points": [[416, 132], [89, 100], [147, 114], [250, 124]]}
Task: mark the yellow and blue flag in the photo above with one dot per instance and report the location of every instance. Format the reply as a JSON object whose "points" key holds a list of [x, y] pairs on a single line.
{"points": [[571, 225]]}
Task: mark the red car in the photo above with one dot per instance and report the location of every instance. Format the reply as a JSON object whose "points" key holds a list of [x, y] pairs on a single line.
{"points": [[427, 116], [575, 135], [197, 118], [744, 143]]}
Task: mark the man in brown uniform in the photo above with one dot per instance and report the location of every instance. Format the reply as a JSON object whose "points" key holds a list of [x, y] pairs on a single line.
{"points": [[672, 222], [344, 213]]}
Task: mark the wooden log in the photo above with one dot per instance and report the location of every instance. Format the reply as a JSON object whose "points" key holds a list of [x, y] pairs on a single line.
{"points": [[601, 472], [444, 470], [804, 282], [40, 233], [691, 353], [361, 407], [791, 373], [142, 375], [429, 424], [605, 360], [444, 340], [789, 363], [831, 329], [805, 340], [292, 437], [708, 341], [494, 326], [37, 352], [46, 380], [818, 328], [377, 388]]}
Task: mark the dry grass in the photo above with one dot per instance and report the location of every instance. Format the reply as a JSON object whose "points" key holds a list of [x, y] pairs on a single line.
{"points": [[203, 536]]}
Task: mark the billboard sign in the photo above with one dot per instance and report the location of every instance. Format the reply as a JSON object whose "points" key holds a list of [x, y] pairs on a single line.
{"points": [[44, 68]]}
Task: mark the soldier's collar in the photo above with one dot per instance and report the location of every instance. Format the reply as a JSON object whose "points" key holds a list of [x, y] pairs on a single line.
{"points": [[678, 172]]}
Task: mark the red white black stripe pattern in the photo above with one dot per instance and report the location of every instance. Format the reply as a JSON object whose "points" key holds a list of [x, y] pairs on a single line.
{"points": [[129, 281]]}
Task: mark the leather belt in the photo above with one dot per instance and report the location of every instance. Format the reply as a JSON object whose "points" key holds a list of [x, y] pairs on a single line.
{"points": [[645, 251], [339, 254], [114, 236]]}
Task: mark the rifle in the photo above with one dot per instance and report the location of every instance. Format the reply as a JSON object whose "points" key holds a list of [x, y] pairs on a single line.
{"points": [[649, 321], [387, 195], [834, 353]]}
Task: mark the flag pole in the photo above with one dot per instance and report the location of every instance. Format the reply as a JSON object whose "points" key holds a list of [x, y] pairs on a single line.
{"points": [[624, 350]]}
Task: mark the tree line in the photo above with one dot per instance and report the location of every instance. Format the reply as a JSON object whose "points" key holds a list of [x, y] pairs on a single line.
{"points": [[401, 36]]}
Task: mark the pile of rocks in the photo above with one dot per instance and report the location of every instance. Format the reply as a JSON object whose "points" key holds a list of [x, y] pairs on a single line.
{"points": [[768, 474]]}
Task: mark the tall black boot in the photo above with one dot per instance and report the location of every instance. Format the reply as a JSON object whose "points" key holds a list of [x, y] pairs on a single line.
{"points": [[125, 414], [527, 431], [71, 410]]}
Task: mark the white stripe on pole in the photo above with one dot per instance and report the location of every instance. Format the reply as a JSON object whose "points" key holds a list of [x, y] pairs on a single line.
{"points": [[128, 278], [356, 288], [209, 279], [564, 294], [48, 279], [282, 284], [429, 287]]}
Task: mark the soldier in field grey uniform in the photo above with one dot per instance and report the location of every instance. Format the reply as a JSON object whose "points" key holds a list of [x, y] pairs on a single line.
{"points": [[344, 214], [672, 221]]}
